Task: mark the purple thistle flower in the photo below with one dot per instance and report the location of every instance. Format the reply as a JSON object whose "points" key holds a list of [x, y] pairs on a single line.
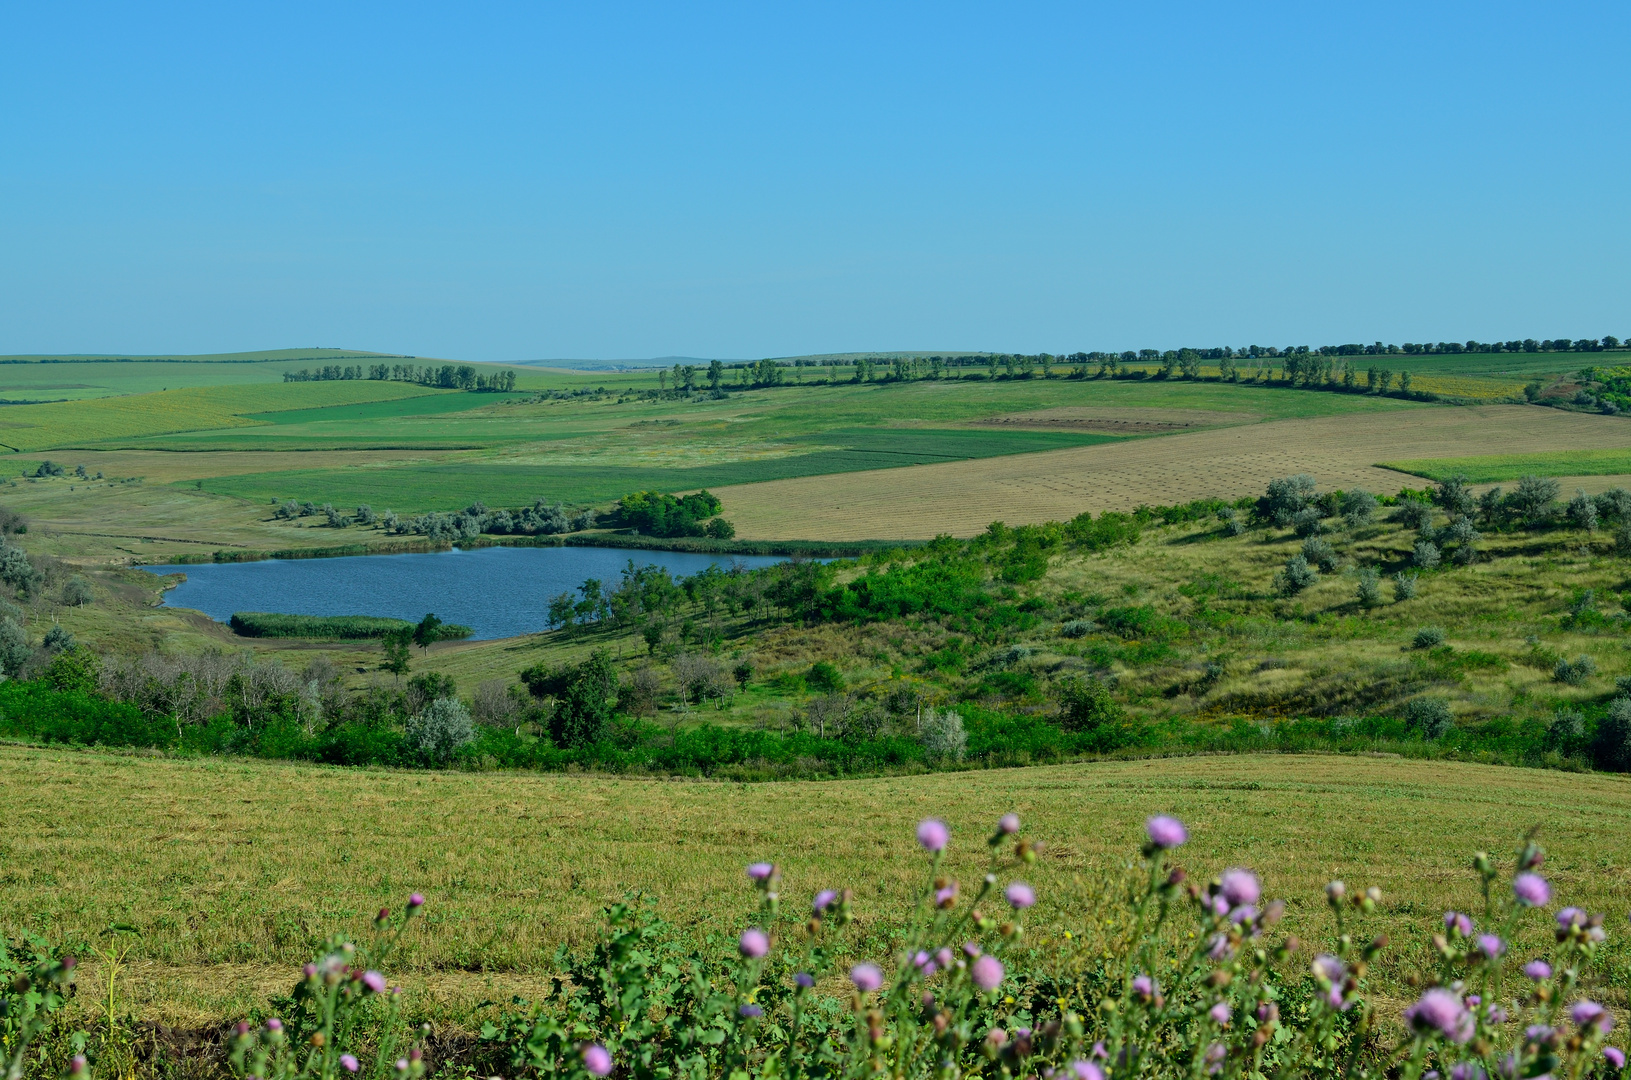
{"points": [[1440, 1010], [415, 901], [804, 980], [970, 949], [1020, 895], [1243, 914], [1491, 946], [824, 900], [1144, 986], [1085, 1070], [753, 943], [1537, 970], [349, 1063], [274, 1024], [1457, 923], [1008, 824], [933, 834], [1466, 1070], [1495, 1015], [750, 1011], [866, 977], [1240, 887], [596, 1060], [1220, 906], [947, 896], [944, 957], [987, 973], [1220, 947], [1329, 968], [374, 981], [1215, 1054], [761, 871], [1219, 1013], [1531, 890], [1590, 1014], [1165, 832], [1569, 918], [1614, 1056]]}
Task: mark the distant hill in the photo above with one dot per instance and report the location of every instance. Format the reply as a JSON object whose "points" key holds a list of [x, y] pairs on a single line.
{"points": [[261, 356]]}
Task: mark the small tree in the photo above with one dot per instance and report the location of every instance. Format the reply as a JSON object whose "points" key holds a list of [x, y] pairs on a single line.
{"points": [[1425, 554], [1086, 707], [14, 648], [57, 639], [942, 734], [1532, 501], [428, 632], [1582, 512], [1358, 508], [1319, 553], [1404, 587], [77, 592], [396, 646], [584, 707], [1454, 496], [824, 678], [1296, 576], [1308, 521], [440, 729], [1370, 588], [1286, 496], [1429, 717]]}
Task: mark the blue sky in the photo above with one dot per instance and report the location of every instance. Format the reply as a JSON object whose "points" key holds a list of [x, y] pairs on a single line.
{"points": [[503, 182]]}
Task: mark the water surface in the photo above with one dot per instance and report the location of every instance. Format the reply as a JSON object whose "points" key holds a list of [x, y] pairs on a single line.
{"points": [[499, 591]]}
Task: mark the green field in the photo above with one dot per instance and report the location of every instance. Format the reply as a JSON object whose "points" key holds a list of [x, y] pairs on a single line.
{"points": [[1494, 468]]}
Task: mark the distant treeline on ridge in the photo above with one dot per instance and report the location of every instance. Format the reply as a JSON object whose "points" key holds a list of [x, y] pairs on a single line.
{"points": [[445, 376]]}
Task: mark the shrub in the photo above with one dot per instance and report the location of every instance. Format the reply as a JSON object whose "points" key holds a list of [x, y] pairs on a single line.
{"points": [[1086, 707], [1623, 684], [440, 729], [1296, 576], [1358, 507], [1614, 505], [1428, 637], [1582, 511], [1413, 515], [57, 639], [1404, 587], [824, 678], [1319, 553], [1428, 717], [1076, 628], [1452, 494], [1285, 497], [1622, 541], [1307, 521], [14, 648], [1370, 587], [1611, 749], [942, 734], [1575, 672], [1532, 500], [1230, 517], [1425, 554]]}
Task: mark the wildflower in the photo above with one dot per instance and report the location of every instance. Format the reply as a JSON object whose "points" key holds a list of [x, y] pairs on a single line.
{"points": [[1440, 1010], [415, 902], [349, 1063], [1336, 891], [750, 1011], [274, 1024], [1020, 895], [866, 977], [1008, 824], [1466, 1070], [1214, 1058], [1540, 1034], [1495, 1015], [596, 1060], [933, 834], [1220, 906], [1144, 986], [1587, 1014], [1507, 1067], [1537, 970], [761, 871], [987, 973], [970, 949], [824, 900], [1085, 1070], [79, 1068], [1219, 1013], [1569, 918], [1240, 887], [944, 957], [374, 981], [1596, 933], [753, 943], [924, 963], [1531, 890], [946, 895], [1220, 947], [804, 980], [1614, 1056], [1329, 968], [1243, 914], [1491, 946], [1458, 924], [1165, 832]]}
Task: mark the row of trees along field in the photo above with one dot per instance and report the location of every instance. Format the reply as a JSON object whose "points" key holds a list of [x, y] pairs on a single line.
{"points": [[648, 513], [978, 691], [445, 376]]}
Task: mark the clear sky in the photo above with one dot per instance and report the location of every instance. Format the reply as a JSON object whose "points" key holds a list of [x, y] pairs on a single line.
{"points": [[498, 181]]}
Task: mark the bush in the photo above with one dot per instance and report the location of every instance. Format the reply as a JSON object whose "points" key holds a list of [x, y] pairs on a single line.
{"points": [[1575, 672], [1413, 515], [1319, 553], [1358, 507], [1612, 747], [266, 624], [1532, 500], [824, 678], [15, 650], [942, 734], [1427, 637], [57, 639], [1296, 576], [1582, 512], [1285, 497], [1307, 521], [1425, 554], [1404, 587], [77, 592], [440, 729], [1428, 717], [1076, 628], [1370, 587], [1086, 707]]}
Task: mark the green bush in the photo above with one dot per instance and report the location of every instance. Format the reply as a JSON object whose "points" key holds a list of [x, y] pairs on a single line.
{"points": [[266, 624]]}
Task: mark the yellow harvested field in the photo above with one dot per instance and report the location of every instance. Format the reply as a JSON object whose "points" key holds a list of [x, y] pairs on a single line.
{"points": [[963, 497], [78, 423]]}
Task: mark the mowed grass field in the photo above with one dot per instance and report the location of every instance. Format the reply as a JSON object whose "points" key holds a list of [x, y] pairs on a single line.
{"points": [[1340, 451], [234, 871]]}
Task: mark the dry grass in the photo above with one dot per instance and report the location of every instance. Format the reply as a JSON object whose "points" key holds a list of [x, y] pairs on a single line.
{"points": [[234, 870], [962, 497]]}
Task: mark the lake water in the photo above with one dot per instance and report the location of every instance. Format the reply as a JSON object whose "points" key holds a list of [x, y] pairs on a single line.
{"points": [[499, 591]]}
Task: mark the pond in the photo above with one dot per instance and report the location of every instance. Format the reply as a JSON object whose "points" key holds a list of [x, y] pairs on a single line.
{"points": [[498, 591]]}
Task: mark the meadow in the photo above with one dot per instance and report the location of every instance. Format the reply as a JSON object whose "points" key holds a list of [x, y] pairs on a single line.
{"points": [[1495, 468]]}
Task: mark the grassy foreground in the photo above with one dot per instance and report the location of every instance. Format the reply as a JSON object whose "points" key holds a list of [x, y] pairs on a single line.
{"points": [[233, 872]]}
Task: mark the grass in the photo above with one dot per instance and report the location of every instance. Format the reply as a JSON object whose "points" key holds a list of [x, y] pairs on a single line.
{"points": [[1492, 468], [264, 624], [233, 872]]}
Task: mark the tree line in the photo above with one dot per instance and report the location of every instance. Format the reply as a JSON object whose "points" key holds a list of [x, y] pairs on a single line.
{"points": [[445, 376]]}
